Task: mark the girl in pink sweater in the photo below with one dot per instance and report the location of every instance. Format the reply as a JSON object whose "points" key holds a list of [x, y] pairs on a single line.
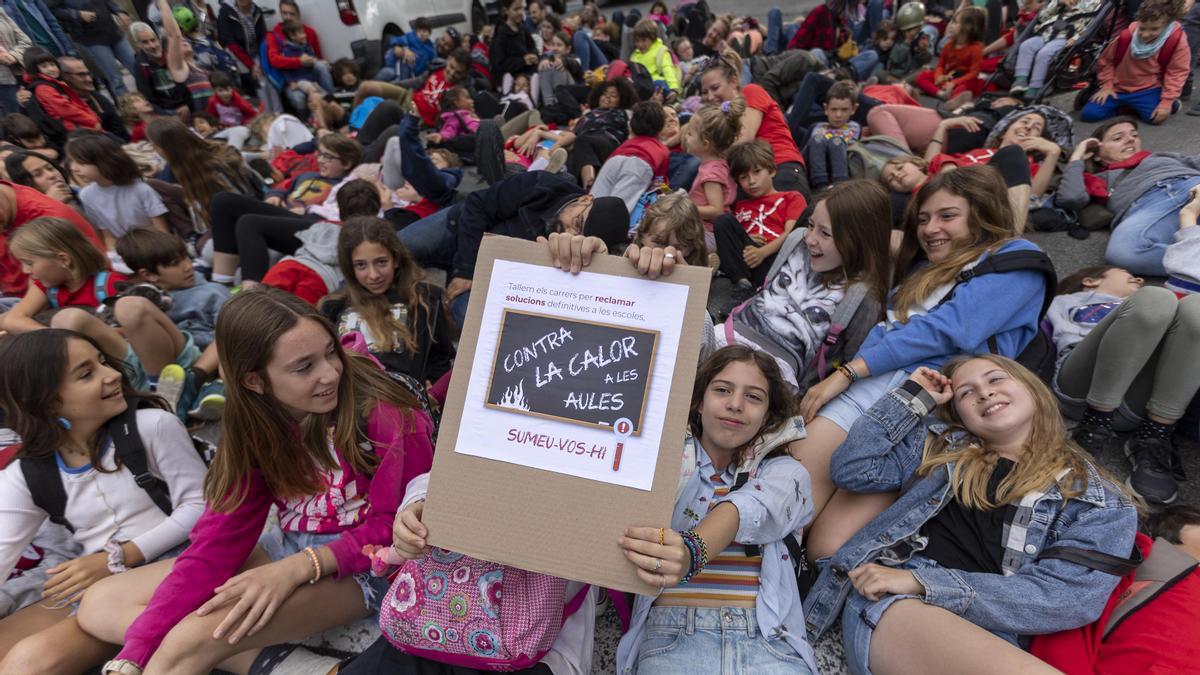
{"points": [[316, 430]]}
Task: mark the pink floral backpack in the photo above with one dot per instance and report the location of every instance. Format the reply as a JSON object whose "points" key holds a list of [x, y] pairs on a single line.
{"points": [[454, 609]]}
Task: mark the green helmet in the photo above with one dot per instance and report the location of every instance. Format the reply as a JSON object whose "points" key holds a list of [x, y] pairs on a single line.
{"points": [[185, 17], [911, 15]]}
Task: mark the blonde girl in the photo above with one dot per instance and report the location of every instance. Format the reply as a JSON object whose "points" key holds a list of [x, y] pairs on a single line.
{"points": [[70, 275], [708, 136], [944, 581]]}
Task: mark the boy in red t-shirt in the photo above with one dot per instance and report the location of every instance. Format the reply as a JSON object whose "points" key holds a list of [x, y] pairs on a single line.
{"points": [[630, 170], [753, 232]]}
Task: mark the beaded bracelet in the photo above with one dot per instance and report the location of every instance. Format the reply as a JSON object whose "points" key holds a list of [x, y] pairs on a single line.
{"points": [[846, 370], [316, 563], [699, 551]]}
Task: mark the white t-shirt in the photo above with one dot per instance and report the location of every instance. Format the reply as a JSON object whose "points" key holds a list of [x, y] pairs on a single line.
{"points": [[121, 208], [103, 506]]}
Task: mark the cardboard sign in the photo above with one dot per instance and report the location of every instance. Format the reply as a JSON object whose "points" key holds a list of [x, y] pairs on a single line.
{"points": [[565, 417]]}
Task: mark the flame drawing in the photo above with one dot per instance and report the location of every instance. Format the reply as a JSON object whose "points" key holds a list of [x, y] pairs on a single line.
{"points": [[514, 397]]}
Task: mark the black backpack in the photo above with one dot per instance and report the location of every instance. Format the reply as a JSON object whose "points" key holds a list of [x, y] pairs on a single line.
{"points": [[45, 483], [1039, 355]]}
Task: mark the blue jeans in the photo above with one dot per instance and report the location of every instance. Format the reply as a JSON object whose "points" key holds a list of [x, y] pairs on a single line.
{"points": [[8, 98], [689, 640], [431, 240], [865, 29], [827, 162], [682, 169], [863, 63], [778, 35], [106, 57], [587, 52], [1142, 102], [1140, 240]]}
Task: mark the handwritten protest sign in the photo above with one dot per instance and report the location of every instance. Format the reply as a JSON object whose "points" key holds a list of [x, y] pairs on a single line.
{"points": [[565, 416]]}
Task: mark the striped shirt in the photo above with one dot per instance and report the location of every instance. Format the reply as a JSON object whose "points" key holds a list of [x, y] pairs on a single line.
{"points": [[731, 576]]}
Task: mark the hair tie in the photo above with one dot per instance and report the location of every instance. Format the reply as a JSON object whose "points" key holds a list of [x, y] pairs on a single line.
{"points": [[725, 107]]}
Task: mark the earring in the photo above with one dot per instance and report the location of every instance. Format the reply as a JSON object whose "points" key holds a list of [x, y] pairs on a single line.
{"points": [[64, 423]]}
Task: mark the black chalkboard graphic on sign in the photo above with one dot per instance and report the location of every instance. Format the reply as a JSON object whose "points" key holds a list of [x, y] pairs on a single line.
{"points": [[571, 370]]}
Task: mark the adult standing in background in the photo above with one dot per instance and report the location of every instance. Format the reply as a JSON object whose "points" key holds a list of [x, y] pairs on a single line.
{"points": [[13, 43], [36, 21], [241, 28], [290, 11], [93, 25]]}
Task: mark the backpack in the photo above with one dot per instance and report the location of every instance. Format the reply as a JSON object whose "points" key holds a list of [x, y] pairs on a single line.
{"points": [[1039, 355], [451, 608], [867, 156], [101, 282], [1125, 39], [45, 483]]}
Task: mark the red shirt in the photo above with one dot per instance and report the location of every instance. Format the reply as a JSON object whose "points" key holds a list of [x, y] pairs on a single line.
{"points": [[890, 93], [766, 216], [31, 204], [648, 149], [428, 99], [774, 129], [296, 278], [961, 63], [85, 295]]}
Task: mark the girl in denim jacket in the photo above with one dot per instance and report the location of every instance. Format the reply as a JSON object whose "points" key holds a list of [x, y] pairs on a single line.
{"points": [[954, 221], [970, 559]]}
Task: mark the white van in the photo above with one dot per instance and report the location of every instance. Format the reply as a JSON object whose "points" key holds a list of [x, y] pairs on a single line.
{"points": [[360, 29]]}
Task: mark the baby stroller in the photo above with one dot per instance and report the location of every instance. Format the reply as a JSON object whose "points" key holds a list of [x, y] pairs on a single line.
{"points": [[1073, 65]]}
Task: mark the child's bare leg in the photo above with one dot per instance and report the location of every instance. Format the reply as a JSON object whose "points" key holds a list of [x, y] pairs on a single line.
{"points": [[110, 339], [28, 621], [63, 648], [913, 637], [153, 336]]}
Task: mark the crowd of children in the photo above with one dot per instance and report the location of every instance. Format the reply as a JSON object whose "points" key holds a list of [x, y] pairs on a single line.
{"points": [[260, 239]]}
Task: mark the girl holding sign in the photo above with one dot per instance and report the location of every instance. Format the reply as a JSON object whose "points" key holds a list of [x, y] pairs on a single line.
{"points": [[320, 432], [723, 569]]}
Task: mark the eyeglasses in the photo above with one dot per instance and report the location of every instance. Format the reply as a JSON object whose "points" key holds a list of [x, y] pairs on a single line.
{"points": [[80, 74], [327, 156]]}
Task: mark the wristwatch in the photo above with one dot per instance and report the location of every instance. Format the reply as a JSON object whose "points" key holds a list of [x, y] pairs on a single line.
{"points": [[122, 667]]}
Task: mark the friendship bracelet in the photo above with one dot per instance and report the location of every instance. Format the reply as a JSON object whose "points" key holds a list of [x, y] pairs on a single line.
{"points": [[693, 556], [846, 370], [695, 544], [316, 563]]}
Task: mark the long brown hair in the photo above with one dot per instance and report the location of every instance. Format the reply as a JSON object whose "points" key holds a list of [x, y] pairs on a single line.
{"points": [[1047, 451], [257, 433], [33, 368], [198, 165], [781, 401], [376, 310], [859, 211], [989, 218]]}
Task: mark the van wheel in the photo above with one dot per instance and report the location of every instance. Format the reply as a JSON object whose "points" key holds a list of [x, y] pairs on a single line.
{"points": [[479, 16]]}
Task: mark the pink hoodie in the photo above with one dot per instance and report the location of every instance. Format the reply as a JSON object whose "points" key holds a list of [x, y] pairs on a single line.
{"points": [[221, 542], [458, 122]]}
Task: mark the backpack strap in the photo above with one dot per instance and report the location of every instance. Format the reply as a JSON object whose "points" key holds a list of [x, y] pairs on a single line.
{"points": [[52, 296], [1012, 261], [576, 602], [102, 287], [1095, 560], [46, 487], [1123, 41], [131, 453], [1165, 566], [1167, 51], [842, 315]]}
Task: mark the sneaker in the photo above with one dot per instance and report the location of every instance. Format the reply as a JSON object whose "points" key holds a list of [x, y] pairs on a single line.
{"points": [[558, 159], [1156, 469], [171, 383], [1194, 111], [1093, 439], [1031, 94], [1176, 105], [210, 403], [1019, 86]]}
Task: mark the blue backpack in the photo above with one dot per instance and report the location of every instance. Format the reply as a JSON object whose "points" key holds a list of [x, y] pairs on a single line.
{"points": [[101, 281]]}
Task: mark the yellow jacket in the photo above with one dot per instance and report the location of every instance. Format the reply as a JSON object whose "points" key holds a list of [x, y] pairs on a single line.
{"points": [[657, 59]]}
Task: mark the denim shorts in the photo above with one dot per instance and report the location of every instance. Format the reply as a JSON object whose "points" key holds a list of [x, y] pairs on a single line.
{"points": [[137, 372], [691, 640], [279, 544], [852, 403], [860, 616]]}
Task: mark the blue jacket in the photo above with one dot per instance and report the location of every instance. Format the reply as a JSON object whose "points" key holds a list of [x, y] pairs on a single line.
{"points": [[1006, 306], [882, 453], [423, 49], [63, 45]]}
